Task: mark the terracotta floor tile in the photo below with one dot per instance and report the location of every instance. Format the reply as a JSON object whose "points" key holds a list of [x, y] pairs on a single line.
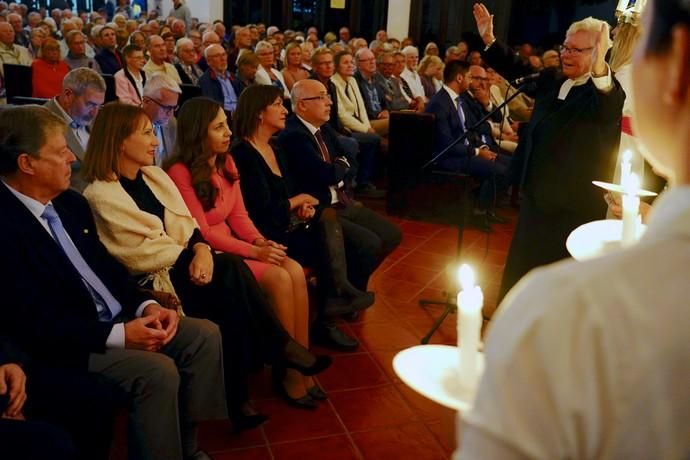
{"points": [[398, 253], [427, 260], [371, 408], [446, 334], [412, 241], [404, 272], [421, 228], [412, 441], [218, 435], [260, 385], [391, 336], [408, 310], [352, 371], [425, 409], [379, 312], [257, 453], [331, 448], [439, 246], [291, 424], [385, 362], [444, 434], [399, 290]]}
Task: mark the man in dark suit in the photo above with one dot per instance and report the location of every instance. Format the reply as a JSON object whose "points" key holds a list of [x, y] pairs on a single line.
{"points": [[319, 168], [68, 303], [572, 139], [473, 155], [109, 58]]}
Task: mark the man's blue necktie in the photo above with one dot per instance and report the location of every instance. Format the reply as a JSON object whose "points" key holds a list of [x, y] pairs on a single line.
{"points": [[108, 307], [461, 114]]}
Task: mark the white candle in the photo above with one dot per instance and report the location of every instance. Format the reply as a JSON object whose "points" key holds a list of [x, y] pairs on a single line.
{"points": [[626, 168], [631, 210], [470, 300]]}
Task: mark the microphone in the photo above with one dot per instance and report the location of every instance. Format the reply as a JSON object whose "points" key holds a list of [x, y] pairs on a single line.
{"points": [[525, 79]]}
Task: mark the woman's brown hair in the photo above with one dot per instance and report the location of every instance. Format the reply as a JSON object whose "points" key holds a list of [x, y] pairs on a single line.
{"points": [[192, 150], [114, 123], [253, 101]]}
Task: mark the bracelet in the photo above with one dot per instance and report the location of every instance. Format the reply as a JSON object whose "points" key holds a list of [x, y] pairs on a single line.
{"points": [[486, 48]]}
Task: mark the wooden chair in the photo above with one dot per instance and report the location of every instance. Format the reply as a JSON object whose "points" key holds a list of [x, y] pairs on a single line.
{"points": [[17, 81]]}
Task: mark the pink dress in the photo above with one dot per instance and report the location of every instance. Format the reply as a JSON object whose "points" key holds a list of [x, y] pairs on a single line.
{"points": [[227, 226]]}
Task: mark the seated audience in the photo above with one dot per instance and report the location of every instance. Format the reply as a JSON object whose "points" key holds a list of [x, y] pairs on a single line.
{"points": [[266, 73], [396, 89], [138, 38], [285, 217], [551, 59], [81, 96], [207, 178], [372, 93], [87, 314], [242, 44], [169, 40], [108, 58], [161, 95], [247, 66], [429, 70], [157, 59], [10, 53], [217, 82], [431, 49], [144, 222], [37, 37], [130, 80], [410, 74], [452, 54], [621, 392], [454, 116], [186, 66], [48, 70], [353, 115], [21, 37], [293, 70], [76, 54], [312, 149]]}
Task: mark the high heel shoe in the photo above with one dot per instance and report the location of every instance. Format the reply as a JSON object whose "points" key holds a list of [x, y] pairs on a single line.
{"points": [[247, 418], [317, 393], [295, 356], [303, 402]]}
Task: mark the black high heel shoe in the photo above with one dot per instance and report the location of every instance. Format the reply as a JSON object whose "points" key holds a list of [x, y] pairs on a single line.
{"points": [[303, 402], [295, 356], [247, 418]]}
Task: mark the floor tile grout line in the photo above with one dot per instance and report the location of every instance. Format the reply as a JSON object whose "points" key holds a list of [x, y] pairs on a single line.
{"points": [[347, 431]]}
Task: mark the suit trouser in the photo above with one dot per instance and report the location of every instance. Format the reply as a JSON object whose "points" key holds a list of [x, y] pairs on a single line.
{"points": [[181, 383], [369, 238]]}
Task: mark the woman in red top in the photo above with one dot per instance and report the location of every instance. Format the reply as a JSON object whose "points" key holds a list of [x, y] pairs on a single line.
{"points": [[207, 178], [48, 70]]}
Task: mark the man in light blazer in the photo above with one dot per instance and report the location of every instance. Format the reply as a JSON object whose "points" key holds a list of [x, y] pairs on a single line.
{"points": [[82, 95]]}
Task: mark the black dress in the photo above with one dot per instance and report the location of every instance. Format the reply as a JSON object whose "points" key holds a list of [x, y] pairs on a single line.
{"points": [[232, 299], [266, 197]]}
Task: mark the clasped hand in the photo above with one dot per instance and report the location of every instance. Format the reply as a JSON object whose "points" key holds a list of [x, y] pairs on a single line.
{"points": [[268, 251], [155, 329], [13, 384]]}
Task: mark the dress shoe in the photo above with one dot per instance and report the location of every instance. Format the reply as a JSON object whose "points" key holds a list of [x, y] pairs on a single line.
{"points": [[302, 360], [338, 306], [246, 417], [332, 337], [369, 191], [317, 393], [495, 218], [303, 402]]}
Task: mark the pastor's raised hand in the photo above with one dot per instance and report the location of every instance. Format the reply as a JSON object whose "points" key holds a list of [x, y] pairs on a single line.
{"points": [[485, 22]]}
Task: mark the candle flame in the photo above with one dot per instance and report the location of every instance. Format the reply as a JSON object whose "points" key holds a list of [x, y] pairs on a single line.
{"points": [[466, 276]]}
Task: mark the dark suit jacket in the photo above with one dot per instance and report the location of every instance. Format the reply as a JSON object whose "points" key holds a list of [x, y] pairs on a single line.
{"points": [[46, 307], [447, 129], [210, 86], [108, 61], [310, 173], [482, 135], [183, 75]]}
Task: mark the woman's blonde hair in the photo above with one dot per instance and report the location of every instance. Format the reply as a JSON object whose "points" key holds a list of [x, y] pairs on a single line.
{"points": [[624, 44], [114, 123], [427, 61], [290, 46]]}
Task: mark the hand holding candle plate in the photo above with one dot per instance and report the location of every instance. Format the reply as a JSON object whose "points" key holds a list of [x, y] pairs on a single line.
{"points": [[617, 188]]}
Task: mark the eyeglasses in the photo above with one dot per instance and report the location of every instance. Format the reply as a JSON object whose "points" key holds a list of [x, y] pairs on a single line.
{"points": [[166, 108], [482, 79], [320, 97], [574, 51]]}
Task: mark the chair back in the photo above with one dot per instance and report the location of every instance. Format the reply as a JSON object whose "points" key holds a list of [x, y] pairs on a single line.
{"points": [[110, 94], [17, 81], [23, 100]]}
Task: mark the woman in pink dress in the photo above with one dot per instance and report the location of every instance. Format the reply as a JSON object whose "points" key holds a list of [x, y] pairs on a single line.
{"points": [[207, 178]]}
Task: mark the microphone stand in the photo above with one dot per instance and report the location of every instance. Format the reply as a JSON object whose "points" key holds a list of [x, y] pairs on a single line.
{"points": [[450, 305]]}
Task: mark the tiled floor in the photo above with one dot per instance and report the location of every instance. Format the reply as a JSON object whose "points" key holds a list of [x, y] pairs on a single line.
{"points": [[370, 414]]}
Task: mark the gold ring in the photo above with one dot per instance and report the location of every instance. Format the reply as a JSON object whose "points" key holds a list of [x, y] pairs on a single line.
{"points": [[203, 275]]}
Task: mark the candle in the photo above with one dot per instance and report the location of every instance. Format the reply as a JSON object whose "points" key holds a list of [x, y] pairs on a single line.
{"points": [[470, 300], [626, 168], [631, 210]]}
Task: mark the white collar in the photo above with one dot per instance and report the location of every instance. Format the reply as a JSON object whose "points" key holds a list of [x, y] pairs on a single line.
{"points": [[35, 207], [453, 95], [570, 83], [312, 129]]}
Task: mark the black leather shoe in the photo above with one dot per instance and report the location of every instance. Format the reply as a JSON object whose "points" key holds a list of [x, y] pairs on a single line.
{"points": [[338, 306], [317, 393], [303, 402], [302, 360], [331, 337], [244, 422]]}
